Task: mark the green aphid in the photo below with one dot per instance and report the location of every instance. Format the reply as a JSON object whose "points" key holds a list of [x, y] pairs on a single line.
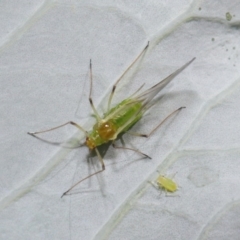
{"points": [[120, 118], [167, 184]]}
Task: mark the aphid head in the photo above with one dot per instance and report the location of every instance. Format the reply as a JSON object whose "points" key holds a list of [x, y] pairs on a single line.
{"points": [[90, 143]]}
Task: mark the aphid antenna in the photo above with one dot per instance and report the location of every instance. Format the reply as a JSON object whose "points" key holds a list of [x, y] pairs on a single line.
{"points": [[137, 90], [90, 94], [119, 79]]}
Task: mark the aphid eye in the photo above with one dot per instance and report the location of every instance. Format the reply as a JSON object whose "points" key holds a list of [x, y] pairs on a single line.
{"points": [[90, 143]]}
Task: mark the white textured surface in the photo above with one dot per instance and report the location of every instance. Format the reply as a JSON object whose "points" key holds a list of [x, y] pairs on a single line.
{"points": [[44, 56]]}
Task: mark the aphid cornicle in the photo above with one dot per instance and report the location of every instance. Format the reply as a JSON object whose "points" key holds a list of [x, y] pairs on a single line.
{"points": [[120, 118]]}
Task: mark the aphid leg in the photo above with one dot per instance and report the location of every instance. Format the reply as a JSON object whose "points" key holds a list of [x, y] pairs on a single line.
{"points": [[166, 193], [58, 143], [132, 149], [154, 184], [70, 122], [116, 83], [90, 94], [148, 135], [103, 168]]}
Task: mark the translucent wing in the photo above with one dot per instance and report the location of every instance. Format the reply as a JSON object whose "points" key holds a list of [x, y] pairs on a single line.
{"points": [[150, 93]]}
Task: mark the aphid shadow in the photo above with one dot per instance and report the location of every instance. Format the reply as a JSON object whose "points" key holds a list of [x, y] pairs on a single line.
{"points": [[94, 165], [102, 150]]}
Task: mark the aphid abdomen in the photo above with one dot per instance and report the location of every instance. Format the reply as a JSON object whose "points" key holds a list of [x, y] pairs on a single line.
{"points": [[127, 116], [134, 120]]}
